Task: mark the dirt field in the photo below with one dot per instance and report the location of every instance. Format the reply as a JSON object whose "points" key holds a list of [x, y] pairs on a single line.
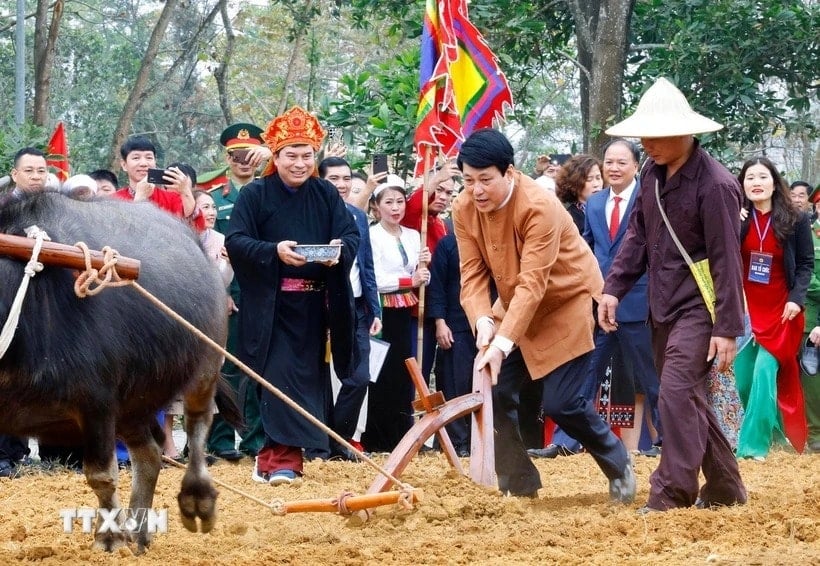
{"points": [[457, 522]]}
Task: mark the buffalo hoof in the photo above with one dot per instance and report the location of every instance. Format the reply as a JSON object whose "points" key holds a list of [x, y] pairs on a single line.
{"points": [[110, 541], [143, 542], [198, 504]]}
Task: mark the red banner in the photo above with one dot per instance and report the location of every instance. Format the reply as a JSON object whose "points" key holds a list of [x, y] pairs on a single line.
{"points": [[57, 150]]}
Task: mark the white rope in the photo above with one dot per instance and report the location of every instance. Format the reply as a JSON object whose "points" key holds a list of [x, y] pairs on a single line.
{"points": [[31, 269]]}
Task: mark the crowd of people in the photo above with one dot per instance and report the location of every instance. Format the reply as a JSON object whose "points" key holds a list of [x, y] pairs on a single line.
{"points": [[576, 289]]}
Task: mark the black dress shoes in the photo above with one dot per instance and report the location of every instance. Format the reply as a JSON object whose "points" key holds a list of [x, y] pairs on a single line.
{"points": [[622, 489], [7, 469], [551, 451], [230, 455], [342, 454]]}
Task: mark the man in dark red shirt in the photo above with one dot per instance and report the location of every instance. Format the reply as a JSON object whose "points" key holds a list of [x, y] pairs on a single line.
{"points": [[702, 201]]}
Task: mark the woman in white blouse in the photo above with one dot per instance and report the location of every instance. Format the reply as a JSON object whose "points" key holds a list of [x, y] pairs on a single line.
{"points": [[213, 242], [397, 253]]}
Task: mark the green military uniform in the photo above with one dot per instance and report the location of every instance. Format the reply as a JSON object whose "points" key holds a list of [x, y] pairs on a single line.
{"points": [[811, 384], [221, 440]]}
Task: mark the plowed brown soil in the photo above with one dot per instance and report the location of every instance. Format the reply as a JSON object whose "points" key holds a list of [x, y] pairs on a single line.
{"points": [[457, 522]]}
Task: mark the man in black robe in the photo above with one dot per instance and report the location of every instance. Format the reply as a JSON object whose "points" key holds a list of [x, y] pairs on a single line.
{"points": [[289, 304]]}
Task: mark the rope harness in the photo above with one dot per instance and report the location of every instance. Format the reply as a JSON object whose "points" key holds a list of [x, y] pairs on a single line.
{"points": [[93, 281], [33, 267]]}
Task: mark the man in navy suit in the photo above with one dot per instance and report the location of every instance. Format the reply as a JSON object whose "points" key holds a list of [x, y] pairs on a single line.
{"points": [[345, 413], [604, 229], [611, 206]]}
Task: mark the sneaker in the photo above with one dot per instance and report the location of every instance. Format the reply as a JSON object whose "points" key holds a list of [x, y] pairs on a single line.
{"points": [[285, 477], [653, 452], [622, 489], [754, 458], [259, 477]]}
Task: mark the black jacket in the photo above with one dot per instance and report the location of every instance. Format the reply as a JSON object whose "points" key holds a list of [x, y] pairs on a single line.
{"points": [[262, 216]]}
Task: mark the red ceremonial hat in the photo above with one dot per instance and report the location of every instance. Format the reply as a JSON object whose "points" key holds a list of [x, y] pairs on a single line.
{"points": [[297, 126]]}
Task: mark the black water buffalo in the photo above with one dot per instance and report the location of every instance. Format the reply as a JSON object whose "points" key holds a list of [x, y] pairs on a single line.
{"points": [[81, 371]]}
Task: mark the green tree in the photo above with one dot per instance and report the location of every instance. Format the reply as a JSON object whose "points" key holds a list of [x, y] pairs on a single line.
{"points": [[751, 65], [377, 109]]}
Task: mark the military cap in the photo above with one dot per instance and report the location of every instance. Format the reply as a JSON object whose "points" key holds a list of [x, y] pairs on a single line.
{"points": [[241, 135]]}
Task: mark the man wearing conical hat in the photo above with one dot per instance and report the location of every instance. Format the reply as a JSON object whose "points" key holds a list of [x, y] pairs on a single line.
{"points": [[289, 303], [701, 199]]}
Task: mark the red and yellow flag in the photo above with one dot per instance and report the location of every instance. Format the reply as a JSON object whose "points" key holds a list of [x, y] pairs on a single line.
{"points": [[461, 87]]}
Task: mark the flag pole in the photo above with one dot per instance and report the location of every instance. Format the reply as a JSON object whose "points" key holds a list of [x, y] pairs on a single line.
{"points": [[424, 204]]}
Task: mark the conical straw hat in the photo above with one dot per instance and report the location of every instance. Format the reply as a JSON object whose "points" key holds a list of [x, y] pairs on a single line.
{"points": [[663, 112]]}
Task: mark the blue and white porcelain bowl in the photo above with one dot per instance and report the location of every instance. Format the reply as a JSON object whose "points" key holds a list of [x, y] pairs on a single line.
{"points": [[319, 252]]}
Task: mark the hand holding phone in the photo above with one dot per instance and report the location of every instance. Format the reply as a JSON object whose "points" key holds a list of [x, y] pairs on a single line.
{"points": [[155, 176], [379, 163], [240, 155]]}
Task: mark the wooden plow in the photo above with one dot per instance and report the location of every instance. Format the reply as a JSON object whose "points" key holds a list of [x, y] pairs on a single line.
{"points": [[437, 413]]}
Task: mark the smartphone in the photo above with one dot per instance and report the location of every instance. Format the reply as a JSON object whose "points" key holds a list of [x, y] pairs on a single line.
{"points": [[155, 176], [240, 155], [379, 164]]}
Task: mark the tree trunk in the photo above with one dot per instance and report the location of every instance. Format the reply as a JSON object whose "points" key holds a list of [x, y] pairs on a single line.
{"points": [[192, 43], [297, 47], [138, 91], [221, 72], [45, 44], [602, 32], [301, 24]]}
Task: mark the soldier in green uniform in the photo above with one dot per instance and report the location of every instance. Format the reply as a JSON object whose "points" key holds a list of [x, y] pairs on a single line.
{"points": [[811, 383], [244, 153]]}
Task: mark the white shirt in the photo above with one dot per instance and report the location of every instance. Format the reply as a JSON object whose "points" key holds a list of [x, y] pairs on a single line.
{"points": [[355, 279], [624, 195], [387, 261]]}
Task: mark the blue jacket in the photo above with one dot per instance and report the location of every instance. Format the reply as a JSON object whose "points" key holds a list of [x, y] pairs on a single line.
{"points": [[443, 293], [367, 274], [634, 307]]}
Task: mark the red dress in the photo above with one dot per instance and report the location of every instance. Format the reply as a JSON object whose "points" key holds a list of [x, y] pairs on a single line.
{"points": [[766, 303]]}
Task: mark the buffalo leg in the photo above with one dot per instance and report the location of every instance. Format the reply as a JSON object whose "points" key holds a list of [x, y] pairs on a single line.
{"points": [[101, 473], [197, 496], [143, 443]]}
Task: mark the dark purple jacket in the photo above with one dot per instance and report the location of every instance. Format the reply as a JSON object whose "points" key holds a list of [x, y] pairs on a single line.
{"points": [[702, 201]]}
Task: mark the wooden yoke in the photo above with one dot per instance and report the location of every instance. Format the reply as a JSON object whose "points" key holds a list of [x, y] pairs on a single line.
{"points": [[62, 255]]}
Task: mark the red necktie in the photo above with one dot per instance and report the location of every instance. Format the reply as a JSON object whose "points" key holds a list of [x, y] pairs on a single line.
{"points": [[615, 218]]}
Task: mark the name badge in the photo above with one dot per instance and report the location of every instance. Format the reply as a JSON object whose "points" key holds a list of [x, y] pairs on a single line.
{"points": [[760, 267]]}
